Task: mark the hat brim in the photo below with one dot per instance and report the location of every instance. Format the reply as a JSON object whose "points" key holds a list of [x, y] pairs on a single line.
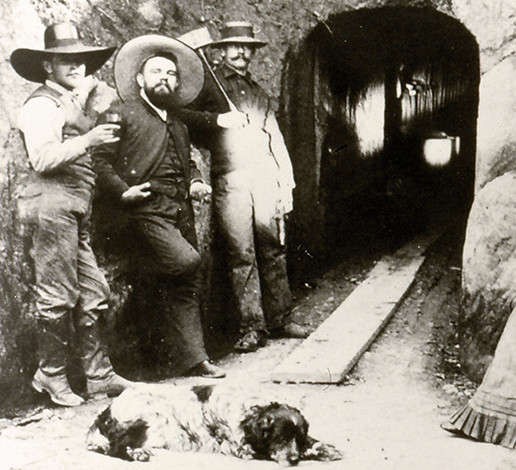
{"points": [[28, 63], [239, 40], [133, 54]]}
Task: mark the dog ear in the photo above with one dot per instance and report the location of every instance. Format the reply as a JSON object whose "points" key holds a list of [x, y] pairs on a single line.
{"points": [[250, 423], [254, 428], [261, 419], [203, 392]]}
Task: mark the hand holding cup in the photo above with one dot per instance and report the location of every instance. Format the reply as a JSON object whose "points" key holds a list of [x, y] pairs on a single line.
{"points": [[103, 134], [108, 129]]}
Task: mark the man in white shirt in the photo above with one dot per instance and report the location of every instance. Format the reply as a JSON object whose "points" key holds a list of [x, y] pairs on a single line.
{"points": [[57, 132], [252, 192]]}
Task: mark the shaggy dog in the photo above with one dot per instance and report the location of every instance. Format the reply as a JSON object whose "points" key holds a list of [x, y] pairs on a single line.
{"points": [[204, 418]]}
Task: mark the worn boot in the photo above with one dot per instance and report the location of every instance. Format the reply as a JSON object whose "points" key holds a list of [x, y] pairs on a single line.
{"points": [[112, 385], [57, 387], [51, 374], [100, 377]]}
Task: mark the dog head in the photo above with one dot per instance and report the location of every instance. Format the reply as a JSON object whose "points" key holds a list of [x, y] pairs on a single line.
{"points": [[277, 432]]}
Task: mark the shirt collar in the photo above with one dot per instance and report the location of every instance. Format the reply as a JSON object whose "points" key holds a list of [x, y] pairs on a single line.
{"points": [[59, 88], [162, 113]]}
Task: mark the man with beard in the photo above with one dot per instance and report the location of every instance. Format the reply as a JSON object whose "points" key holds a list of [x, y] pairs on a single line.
{"points": [[252, 191], [152, 174]]}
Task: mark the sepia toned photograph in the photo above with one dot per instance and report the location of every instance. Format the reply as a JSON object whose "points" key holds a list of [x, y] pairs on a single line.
{"points": [[258, 234]]}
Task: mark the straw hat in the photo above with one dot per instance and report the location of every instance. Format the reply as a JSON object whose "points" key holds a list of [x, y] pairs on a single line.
{"points": [[62, 39], [238, 32], [133, 54]]}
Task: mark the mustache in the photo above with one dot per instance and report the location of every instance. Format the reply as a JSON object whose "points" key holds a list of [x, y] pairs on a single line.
{"points": [[162, 84], [239, 56]]}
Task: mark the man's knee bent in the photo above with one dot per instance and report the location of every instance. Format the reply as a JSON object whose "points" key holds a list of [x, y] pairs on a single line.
{"points": [[185, 265]]}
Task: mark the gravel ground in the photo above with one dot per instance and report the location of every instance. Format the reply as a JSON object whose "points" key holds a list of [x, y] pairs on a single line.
{"points": [[386, 414]]}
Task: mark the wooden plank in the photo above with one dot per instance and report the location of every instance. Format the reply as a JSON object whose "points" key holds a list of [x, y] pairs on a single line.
{"points": [[331, 351]]}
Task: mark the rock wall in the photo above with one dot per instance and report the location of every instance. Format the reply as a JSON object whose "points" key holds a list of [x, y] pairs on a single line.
{"points": [[489, 271], [489, 257], [16, 341], [493, 23], [496, 138], [284, 23]]}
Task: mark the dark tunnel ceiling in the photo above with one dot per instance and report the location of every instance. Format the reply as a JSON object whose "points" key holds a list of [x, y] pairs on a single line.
{"points": [[363, 43]]}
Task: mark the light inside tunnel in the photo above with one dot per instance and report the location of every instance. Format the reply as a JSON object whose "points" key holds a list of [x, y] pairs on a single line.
{"points": [[369, 119], [439, 150], [393, 82]]}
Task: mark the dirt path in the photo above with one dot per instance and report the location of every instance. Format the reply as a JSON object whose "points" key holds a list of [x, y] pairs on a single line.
{"points": [[386, 415]]}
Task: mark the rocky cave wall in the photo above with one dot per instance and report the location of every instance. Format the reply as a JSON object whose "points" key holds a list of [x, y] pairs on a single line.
{"points": [[284, 23]]}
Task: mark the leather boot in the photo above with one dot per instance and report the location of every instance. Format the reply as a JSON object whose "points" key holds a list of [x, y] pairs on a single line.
{"points": [[112, 385], [57, 387], [50, 376], [100, 376]]}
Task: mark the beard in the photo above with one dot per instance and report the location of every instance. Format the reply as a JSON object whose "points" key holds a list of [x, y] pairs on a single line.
{"points": [[162, 96]]}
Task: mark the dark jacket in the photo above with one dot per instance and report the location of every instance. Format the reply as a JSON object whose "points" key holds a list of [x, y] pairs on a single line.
{"points": [[142, 147]]}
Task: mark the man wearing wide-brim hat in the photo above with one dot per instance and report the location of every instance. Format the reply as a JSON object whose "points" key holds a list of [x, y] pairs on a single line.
{"points": [[252, 191], [152, 175], [58, 133]]}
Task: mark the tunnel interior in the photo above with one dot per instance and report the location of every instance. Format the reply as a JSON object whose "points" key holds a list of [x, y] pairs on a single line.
{"points": [[379, 111]]}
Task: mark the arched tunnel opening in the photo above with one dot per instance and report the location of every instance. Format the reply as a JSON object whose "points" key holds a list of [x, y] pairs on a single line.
{"points": [[379, 110]]}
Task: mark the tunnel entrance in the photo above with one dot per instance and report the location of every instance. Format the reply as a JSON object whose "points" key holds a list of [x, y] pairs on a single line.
{"points": [[379, 111]]}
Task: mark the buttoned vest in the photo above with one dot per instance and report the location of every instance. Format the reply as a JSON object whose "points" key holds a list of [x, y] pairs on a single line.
{"points": [[78, 174], [68, 187]]}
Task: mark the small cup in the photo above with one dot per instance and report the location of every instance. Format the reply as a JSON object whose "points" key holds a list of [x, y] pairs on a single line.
{"points": [[112, 117]]}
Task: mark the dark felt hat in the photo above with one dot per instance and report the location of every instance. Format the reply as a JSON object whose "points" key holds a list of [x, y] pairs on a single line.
{"points": [[238, 32], [133, 54], [62, 39]]}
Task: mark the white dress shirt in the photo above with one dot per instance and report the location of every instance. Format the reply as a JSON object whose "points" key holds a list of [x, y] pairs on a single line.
{"points": [[42, 122]]}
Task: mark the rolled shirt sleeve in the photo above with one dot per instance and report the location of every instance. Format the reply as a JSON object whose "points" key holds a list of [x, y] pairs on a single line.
{"points": [[42, 121]]}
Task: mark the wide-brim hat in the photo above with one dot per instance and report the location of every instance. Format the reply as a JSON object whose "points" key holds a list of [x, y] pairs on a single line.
{"points": [[133, 54], [238, 32], [62, 38]]}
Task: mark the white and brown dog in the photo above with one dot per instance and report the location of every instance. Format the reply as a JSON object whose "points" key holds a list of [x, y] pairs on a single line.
{"points": [[206, 419]]}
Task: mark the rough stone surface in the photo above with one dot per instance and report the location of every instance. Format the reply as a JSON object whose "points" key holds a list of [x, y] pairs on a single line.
{"points": [[283, 22], [16, 340], [489, 271], [493, 23], [13, 88], [496, 137]]}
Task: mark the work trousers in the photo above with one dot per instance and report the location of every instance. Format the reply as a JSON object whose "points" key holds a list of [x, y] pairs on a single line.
{"points": [[70, 288], [166, 226], [245, 210]]}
